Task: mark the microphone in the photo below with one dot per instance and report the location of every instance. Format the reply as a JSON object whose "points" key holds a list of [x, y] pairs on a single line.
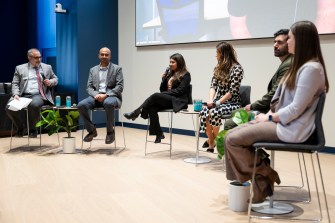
{"points": [[167, 70], [43, 76]]}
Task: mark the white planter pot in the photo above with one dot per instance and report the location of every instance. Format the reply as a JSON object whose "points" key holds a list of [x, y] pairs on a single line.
{"points": [[238, 196], [69, 145]]}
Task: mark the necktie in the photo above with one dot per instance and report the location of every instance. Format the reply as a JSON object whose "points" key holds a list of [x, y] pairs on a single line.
{"points": [[39, 81]]}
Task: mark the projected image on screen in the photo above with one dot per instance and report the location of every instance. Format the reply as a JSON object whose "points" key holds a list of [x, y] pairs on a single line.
{"points": [[187, 21]]}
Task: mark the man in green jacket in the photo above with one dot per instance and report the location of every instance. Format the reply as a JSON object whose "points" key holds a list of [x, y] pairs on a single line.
{"points": [[263, 105], [280, 51]]}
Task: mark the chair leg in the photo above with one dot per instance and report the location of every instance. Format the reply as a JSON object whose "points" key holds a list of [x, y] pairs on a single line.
{"points": [[270, 207], [11, 137], [251, 186], [11, 132], [307, 180], [124, 138], [301, 163], [28, 127], [322, 185], [170, 120], [146, 138], [170, 131]]}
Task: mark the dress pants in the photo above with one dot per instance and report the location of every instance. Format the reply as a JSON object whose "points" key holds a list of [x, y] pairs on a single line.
{"points": [[90, 103], [150, 108], [239, 153]]}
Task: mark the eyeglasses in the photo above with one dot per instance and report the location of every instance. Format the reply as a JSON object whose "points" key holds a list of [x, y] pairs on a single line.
{"points": [[36, 58]]}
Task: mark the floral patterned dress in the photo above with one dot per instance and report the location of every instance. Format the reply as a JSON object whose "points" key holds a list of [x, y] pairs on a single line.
{"points": [[215, 114]]}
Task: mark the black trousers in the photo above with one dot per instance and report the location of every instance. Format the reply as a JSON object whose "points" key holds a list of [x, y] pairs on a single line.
{"points": [[150, 108]]}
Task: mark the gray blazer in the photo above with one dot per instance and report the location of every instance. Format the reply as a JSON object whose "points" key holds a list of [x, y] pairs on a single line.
{"points": [[21, 76], [296, 108], [114, 82]]}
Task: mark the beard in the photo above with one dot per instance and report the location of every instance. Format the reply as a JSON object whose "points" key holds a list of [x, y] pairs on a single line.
{"points": [[280, 53]]}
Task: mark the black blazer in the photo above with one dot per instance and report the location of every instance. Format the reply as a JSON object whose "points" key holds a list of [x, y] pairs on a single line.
{"points": [[180, 91]]}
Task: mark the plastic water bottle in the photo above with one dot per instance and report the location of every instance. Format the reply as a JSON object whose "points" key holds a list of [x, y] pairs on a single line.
{"points": [[57, 100], [68, 101]]}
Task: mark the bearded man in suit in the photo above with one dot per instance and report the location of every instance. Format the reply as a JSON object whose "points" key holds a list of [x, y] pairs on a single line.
{"points": [[104, 86], [32, 80]]}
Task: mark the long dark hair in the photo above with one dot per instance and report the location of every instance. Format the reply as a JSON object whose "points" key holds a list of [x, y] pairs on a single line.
{"points": [[228, 59], [307, 47], [181, 66]]}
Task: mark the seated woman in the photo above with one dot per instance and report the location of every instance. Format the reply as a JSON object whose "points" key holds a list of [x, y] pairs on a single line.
{"points": [[173, 94], [291, 118], [224, 96]]}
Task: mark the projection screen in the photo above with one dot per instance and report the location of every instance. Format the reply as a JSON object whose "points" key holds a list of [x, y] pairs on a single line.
{"points": [[189, 21]]}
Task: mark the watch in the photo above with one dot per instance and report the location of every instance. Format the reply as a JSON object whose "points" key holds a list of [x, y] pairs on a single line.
{"points": [[270, 118]]}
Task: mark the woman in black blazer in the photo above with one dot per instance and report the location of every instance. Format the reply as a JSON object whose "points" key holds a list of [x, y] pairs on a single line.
{"points": [[173, 94]]}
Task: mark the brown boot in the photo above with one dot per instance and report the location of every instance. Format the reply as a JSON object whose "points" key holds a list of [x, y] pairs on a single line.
{"points": [[262, 189]]}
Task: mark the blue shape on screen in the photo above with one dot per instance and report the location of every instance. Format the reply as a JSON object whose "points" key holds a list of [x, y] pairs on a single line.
{"points": [[179, 18]]}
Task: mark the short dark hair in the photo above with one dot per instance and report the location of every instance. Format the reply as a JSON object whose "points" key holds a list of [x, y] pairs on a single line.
{"points": [[281, 32]]}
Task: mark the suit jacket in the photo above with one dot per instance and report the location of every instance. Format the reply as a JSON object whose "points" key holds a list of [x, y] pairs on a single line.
{"points": [[263, 105], [21, 76], [296, 108], [114, 82], [180, 90]]}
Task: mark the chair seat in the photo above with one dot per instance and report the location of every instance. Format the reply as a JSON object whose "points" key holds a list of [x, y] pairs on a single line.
{"points": [[289, 147]]}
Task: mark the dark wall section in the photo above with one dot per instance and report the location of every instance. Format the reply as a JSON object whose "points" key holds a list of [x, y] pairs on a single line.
{"points": [[97, 27], [25, 24], [80, 33], [15, 37], [66, 42]]}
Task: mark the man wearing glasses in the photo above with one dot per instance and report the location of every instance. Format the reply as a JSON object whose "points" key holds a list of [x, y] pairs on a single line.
{"points": [[32, 80]]}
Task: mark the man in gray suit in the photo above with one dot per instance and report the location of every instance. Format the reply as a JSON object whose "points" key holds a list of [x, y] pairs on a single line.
{"points": [[32, 80], [104, 86]]}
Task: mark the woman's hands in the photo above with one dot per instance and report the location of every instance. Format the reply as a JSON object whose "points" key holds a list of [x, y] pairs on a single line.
{"points": [[210, 104], [261, 118], [265, 117]]}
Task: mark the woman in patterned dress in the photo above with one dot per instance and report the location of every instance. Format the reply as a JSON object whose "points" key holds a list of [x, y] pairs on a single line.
{"points": [[224, 94]]}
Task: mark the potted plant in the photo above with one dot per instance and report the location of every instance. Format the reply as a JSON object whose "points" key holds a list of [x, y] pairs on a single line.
{"points": [[239, 116], [55, 121]]}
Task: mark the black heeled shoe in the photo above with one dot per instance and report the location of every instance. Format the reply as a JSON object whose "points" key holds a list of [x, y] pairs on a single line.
{"points": [[159, 138], [210, 150], [132, 115], [205, 145]]}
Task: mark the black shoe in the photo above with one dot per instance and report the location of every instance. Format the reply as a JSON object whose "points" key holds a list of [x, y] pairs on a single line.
{"points": [[19, 133], [159, 138], [205, 145], [32, 134], [89, 137], [110, 137], [132, 115], [210, 150]]}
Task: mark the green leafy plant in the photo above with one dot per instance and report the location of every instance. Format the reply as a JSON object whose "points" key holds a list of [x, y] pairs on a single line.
{"points": [[56, 121], [239, 117]]}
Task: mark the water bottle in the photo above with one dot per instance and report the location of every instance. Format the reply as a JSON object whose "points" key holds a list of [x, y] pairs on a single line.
{"points": [[252, 116], [68, 101], [57, 101]]}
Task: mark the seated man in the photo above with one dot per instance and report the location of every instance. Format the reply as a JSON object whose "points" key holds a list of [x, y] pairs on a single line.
{"points": [[281, 51], [104, 86], [32, 80]]}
